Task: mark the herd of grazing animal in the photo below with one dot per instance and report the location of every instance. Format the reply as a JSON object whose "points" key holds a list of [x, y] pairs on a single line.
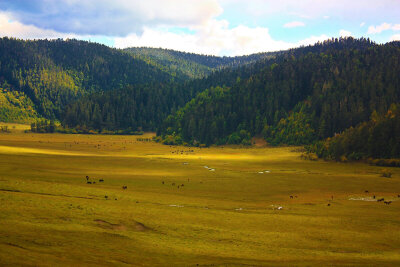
{"points": [[88, 181], [366, 191], [381, 199], [93, 182], [101, 180], [173, 184]]}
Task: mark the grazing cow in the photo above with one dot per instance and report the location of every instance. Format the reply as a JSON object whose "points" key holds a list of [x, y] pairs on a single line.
{"points": [[398, 195], [162, 182], [178, 186], [182, 185], [329, 204], [387, 202], [101, 180], [366, 191], [89, 182], [374, 197], [381, 199], [87, 177], [94, 182], [291, 196], [106, 197], [124, 187]]}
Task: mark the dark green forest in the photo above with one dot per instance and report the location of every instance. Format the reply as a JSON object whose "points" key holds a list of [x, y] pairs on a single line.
{"points": [[327, 95], [378, 137], [54, 73], [193, 65], [302, 97]]}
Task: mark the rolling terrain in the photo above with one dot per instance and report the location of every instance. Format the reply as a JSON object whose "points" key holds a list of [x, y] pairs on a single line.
{"points": [[188, 206]]}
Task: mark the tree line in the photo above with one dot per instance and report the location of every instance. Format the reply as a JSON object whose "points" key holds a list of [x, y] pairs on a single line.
{"points": [[305, 95]]}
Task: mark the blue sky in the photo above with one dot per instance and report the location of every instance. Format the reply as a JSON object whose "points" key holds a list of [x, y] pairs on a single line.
{"points": [[218, 27]]}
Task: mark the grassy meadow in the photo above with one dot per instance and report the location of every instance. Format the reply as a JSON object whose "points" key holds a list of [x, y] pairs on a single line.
{"points": [[232, 206]]}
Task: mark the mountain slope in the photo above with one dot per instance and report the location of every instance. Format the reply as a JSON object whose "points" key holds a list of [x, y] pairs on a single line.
{"points": [[307, 94], [54, 73], [146, 107], [193, 65], [16, 107]]}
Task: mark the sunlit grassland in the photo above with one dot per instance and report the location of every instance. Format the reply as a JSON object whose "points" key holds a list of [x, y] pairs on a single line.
{"points": [[50, 216]]}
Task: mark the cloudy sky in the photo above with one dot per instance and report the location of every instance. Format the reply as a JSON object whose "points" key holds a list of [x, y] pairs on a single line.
{"points": [[218, 27]]}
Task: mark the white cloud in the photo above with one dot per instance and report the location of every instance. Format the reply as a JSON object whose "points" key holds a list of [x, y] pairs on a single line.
{"points": [[326, 17], [11, 28], [395, 37], [310, 40], [383, 27], [342, 9], [294, 24], [16, 29], [396, 27], [214, 38], [344, 33], [362, 24], [117, 17]]}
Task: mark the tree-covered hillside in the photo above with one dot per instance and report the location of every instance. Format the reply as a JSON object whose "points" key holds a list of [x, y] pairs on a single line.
{"points": [[378, 137], [135, 108], [292, 97], [146, 107], [307, 94], [193, 65], [54, 73]]}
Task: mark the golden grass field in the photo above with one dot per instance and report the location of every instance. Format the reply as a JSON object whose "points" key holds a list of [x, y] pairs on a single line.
{"points": [[50, 216]]}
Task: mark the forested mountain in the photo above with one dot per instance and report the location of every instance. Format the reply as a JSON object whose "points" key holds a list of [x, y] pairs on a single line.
{"points": [[146, 107], [51, 74], [16, 107], [291, 97], [47, 75], [193, 65], [133, 108], [378, 137], [307, 94]]}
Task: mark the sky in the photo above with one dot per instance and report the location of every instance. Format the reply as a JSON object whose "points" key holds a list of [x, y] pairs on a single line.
{"points": [[213, 27]]}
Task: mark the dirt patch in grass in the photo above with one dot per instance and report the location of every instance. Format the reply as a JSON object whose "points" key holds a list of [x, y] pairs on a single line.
{"points": [[140, 227], [120, 227], [108, 225], [259, 142]]}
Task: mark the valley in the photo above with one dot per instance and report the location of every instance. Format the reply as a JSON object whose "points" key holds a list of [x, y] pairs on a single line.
{"points": [[188, 206]]}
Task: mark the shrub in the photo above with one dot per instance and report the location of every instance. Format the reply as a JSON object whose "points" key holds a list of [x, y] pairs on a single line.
{"points": [[386, 173]]}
